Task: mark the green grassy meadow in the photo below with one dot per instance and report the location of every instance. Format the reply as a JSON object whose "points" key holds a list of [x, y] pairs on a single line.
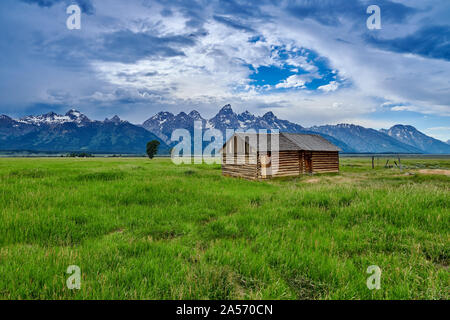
{"points": [[149, 229]]}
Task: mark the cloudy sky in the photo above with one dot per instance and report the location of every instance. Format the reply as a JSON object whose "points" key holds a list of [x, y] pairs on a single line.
{"points": [[311, 62]]}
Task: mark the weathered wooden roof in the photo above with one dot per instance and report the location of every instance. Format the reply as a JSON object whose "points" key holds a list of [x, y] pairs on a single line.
{"points": [[288, 141], [311, 142]]}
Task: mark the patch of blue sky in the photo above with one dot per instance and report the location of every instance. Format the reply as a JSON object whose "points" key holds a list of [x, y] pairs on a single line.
{"points": [[314, 69], [255, 39], [270, 75]]}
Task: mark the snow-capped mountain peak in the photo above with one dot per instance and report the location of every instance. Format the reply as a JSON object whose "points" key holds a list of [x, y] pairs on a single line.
{"points": [[349, 137], [47, 118], [74, 113], [246, 117], [161, 117], [269, 116], [71, 132], [226, 108], [225, 119], [52, 118], [77, 116], [194, 114], [182, 115], [163, 124], [413, 137]]}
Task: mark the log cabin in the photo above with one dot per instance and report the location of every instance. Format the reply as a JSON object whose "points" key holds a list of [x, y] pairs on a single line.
{"points": [[264, 156]]}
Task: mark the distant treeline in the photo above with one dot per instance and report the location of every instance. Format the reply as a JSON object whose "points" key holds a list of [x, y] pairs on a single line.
{"points": [[79, 155]]}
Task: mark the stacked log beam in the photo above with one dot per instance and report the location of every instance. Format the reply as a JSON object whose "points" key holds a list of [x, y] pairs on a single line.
{"points": [[240, 166], [323, 161]]}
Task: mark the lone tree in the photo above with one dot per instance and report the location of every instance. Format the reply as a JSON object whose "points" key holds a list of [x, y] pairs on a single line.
{"points": [[152, 148]]}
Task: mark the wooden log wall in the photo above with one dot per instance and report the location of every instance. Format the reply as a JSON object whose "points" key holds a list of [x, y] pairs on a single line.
{"points": [[241, 166], [325, 161], [290, 163]]}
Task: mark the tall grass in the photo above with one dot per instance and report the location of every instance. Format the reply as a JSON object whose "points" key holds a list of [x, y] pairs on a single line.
{"points": [[142, 229]]}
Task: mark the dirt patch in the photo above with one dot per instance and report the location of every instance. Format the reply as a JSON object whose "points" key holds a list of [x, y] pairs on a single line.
{"points": [[435, 171], [313, 180], [347, 179]]}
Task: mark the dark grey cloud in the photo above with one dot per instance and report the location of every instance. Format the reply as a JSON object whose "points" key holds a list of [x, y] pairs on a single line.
{"points": [[197, 14], [332, 12], [86, 6], [121, 46], [127, 46], [192, 10], [41, 61], [133, 76], [241, 8], [429, 41], [233, 23]]}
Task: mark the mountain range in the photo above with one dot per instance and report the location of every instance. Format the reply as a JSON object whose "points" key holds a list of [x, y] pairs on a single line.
{"points": [[348, 137], [74, 131], [163, 123]]}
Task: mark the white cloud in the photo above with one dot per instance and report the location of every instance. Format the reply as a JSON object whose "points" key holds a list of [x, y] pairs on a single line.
{"points": [[332, 86], [439, 129], [441, 133], [294, 81], [215, 70]]}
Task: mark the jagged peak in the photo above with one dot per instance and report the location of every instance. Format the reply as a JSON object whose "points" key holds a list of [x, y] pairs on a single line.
{"points": [[226, 109], [182, 114], [74, 112], [269, 115], [165, 113], [162, 115], [246, 113], [115, 119], [195, 115], [246, 116], [77, 116], [50, 114]]}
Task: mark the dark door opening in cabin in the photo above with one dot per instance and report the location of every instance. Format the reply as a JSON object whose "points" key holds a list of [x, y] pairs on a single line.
{"points": [[308, 162]]}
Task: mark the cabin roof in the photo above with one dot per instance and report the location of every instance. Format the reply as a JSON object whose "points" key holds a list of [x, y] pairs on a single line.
{"points": [[288, 141]]}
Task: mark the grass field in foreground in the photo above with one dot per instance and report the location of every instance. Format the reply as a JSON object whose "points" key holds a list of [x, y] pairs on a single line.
{"points": [[142, 229]]}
